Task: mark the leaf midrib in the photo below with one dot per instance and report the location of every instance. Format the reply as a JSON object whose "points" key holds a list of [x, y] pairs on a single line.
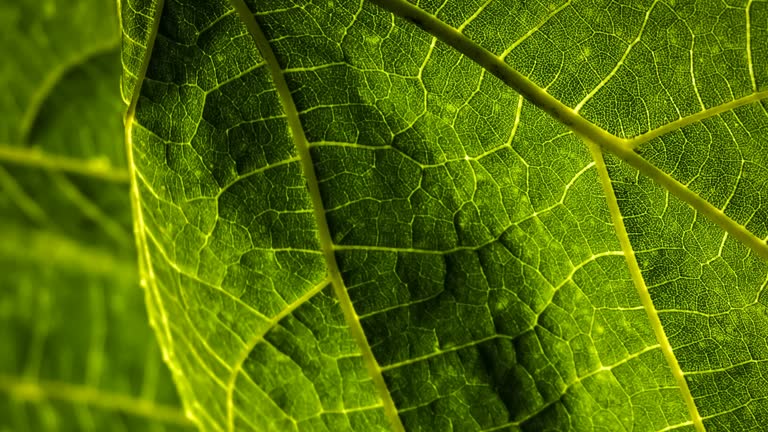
{"points": [[598, 140], [620, 147], [324, 233], [149, 283], [642, 288]]}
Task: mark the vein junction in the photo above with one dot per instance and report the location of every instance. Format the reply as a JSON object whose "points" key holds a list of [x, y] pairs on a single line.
{"points": [[539, 97], [600, 140], [620, 147]]}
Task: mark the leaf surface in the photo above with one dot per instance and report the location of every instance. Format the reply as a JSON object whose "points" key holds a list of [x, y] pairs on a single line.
{"points": [[77, 351], [508, 216]]}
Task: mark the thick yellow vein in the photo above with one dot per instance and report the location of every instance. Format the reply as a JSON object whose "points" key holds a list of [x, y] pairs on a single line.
{"points": [[697, 117], [738, 231], [238, 366], [642, 289], [146, 271], [159, 5], [496, 66], [38, 391], [326, 242], [32, 157], [622, 148]]}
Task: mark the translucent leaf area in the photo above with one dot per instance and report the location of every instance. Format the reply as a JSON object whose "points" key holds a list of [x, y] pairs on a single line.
{"points": [[384, 215], [454, 215]]}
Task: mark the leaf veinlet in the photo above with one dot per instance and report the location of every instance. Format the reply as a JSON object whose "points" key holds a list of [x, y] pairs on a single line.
{"points": [[598, 140], [642, 289], [622, 148], [302, 146], [455, 155], [146, 272]]}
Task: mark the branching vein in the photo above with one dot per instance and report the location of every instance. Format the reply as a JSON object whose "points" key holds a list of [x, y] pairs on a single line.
{"points": [[621, 148], [302, 146]]}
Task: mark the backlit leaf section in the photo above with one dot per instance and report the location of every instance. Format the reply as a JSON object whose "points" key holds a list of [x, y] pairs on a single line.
{"points": [[468, 215]]}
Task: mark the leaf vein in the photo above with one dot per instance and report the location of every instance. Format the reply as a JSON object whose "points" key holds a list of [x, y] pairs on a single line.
{"points": [[302, 146]]}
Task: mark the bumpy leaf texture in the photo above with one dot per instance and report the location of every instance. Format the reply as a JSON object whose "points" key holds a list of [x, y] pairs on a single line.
{"points": [[76, 350], [466, 215]]}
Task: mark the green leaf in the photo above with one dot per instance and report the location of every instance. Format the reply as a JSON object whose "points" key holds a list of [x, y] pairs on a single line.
{"points": [[460, 215], [77, 351]]}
